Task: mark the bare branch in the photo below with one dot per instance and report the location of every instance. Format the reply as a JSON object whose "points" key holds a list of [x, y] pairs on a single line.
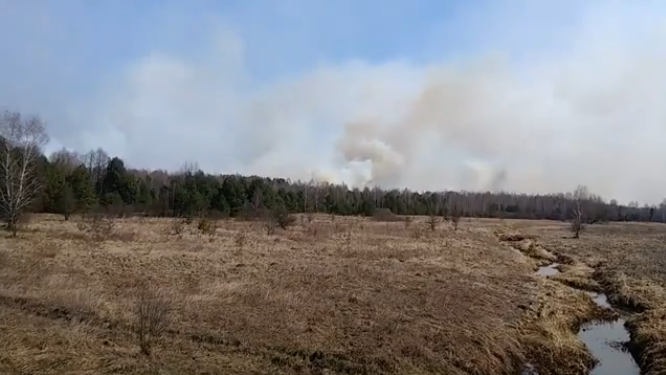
{"points": [[23, 139]]}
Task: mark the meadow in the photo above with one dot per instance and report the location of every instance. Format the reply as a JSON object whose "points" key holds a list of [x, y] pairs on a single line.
{"points": [[327, 295]]}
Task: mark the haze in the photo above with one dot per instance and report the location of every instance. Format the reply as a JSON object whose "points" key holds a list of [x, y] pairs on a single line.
{"points": [[514, 95]]}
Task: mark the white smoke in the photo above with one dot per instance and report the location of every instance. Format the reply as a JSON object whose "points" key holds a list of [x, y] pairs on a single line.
{"points": [[536, 107]]}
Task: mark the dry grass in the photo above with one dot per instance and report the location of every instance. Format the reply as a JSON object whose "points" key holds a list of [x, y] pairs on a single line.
{"points": [[328, 295], [629, 264]]}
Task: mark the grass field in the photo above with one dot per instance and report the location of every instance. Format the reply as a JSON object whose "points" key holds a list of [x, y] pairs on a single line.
{"points": [[335, 295]]}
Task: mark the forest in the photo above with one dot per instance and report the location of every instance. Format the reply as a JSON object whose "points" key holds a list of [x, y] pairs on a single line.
{"points": [[68, 182]]}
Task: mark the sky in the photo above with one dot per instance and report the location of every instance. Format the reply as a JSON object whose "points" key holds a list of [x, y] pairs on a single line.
{"points": [[514, 95]]}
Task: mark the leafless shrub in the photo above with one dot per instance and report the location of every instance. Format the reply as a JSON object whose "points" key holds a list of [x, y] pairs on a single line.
{"points": [[580, 195], [280, 217], [385, 215], [178, 227], [151, 316], [433, 222], [241, 239], [207, 226], [577, 227], [4, 259], [270, 226], [20, 224], [455, 220], [418, 232], [313, 229], [97, 226]]}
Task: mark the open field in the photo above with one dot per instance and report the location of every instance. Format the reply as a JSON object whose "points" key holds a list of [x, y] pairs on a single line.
{"points": [[340, 295]]}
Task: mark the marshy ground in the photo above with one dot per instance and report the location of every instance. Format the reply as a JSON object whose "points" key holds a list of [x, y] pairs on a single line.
{"points": [[334, 295]]}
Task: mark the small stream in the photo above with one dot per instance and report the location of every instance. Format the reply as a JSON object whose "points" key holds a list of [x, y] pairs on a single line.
{"points": [[605, 340]]}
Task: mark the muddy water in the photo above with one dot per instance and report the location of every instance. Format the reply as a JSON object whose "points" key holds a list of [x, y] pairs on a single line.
{"points": [[605, 340], [548, 270]]}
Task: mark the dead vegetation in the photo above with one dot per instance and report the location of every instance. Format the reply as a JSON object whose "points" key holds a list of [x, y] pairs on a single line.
{"points": [[627, 262], [152, 314], [343, 295]]}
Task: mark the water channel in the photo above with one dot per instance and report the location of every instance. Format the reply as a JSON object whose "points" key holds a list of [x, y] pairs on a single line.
{"points": [[605, 340]]}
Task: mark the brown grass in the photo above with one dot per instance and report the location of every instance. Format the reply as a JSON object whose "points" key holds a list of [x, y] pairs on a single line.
{"points": [[629, 264], [328, 295]]}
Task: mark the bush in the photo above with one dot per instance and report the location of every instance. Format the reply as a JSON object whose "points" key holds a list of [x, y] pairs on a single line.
{"points": [[282, 217], [455, 219], [151, 313], [206, 226], [178, 227], [433, 222], [577, 227], [385, 215], [97, 227]]}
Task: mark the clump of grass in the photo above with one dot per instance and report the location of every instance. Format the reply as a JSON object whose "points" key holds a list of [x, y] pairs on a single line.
{"points": [[514, 237], [152, 309], [648, 335]]}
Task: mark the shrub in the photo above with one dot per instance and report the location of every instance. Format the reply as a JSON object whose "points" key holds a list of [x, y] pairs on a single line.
{"points": [[282, 217], [151, 313], [433, 222], [97, 226], [206, 226], [178, 227], [385, 215]]}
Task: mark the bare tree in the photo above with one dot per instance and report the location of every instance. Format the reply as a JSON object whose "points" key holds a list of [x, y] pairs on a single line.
{"points": [[96, 161], [22, 141], [189, 167], [580, 195], [65, 159]]}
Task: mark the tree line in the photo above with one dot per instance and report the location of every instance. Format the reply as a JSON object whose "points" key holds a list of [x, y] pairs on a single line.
{"points": [[67, 183]]}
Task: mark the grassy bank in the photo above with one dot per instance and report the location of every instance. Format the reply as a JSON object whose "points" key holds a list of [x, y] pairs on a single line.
{"points": [[627, 261]]}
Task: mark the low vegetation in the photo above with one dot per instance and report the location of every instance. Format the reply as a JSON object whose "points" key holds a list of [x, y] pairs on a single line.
{"points": [[627, 262], [347, 295]]}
